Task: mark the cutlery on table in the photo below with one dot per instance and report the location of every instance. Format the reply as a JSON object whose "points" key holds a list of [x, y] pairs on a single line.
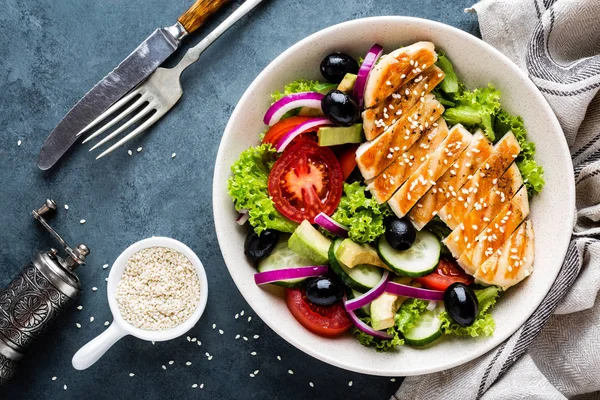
{"points": [[140, 64], [158, 94]]}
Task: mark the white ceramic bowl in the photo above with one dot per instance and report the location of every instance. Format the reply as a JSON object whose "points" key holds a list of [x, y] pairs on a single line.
{"points": [[92, 351], [477, 64]]}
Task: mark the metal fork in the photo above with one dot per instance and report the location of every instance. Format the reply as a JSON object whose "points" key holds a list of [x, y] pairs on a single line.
{"points": [[159, 93]]}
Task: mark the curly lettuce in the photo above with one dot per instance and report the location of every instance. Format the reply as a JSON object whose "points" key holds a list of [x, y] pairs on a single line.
{"points": [[361, 214], [406, 317], [484, 325], [481, 108], [248, 187]]}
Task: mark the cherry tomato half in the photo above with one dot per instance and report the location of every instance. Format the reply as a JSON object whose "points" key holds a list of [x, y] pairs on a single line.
{"points": [[324, 321], [306, 180], [446, 273]]}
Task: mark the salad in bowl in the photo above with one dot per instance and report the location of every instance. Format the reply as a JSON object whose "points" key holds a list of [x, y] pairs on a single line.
{"points": [[389, 200]]}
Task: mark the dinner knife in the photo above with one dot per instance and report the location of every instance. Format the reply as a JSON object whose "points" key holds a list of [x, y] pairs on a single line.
{"points": [[148, 56]]}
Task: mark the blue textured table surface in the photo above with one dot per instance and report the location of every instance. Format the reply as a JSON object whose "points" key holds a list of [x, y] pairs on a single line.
{"points": [[51, 53]]}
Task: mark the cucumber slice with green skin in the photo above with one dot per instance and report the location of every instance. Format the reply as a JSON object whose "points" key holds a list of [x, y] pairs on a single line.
{"points": [[364, 311], [360, 278], [283, 257], [427, 329], [419, 260]]}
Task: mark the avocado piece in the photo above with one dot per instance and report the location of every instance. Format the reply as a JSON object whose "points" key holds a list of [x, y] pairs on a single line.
{"points": [[383, 310], [347, 84], [352, 254], [334, 135], [308, 242]]}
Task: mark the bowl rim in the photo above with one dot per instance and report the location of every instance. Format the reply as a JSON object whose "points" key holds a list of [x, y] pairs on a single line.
{"points": [[562, 244]]}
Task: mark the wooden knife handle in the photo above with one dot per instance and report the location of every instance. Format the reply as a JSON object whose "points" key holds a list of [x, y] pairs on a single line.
{"points": [[198, 13]]}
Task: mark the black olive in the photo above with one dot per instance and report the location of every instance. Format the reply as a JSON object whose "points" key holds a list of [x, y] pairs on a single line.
{"points": [[324, 291], [461, 304], [399, 233], [335, 66], [340, 108], [258, 247]]}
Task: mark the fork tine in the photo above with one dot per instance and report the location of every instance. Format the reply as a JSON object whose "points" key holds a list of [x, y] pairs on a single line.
{"points": [[133, 134], [126, 125], [108, 112], [116, 119]]}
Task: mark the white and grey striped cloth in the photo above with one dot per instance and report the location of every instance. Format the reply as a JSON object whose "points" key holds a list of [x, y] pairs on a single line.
{"points": [[556, 353]]}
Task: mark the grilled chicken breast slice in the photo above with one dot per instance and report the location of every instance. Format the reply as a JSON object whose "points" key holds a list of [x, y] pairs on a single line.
{"points": [[496, 234], [480, 183], [395, 69], [375, 156], [379, 118], [513, 262], [430, 171], [385, 184], [432, 202], [485, 209]]}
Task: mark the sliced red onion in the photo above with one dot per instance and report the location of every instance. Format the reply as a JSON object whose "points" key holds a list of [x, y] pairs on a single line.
{"points": [[300, 128], [368, 297], [366, 328], [262, 278], [432, 305], [242, 217], [411, 291], [290, 102], [363, 73], [331, 225]]}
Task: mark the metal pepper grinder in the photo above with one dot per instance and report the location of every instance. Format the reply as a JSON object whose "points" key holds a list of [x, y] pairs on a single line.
{"points": [[37, 295]]}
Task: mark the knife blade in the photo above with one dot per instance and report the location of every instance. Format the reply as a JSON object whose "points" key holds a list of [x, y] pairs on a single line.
{"points": [[134, 69]]}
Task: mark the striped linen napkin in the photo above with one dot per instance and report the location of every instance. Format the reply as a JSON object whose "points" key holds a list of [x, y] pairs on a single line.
{"points": [[558, 43]]}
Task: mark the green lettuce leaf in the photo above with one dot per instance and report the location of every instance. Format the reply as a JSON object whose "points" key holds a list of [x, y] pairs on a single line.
{"points": [[532, 172], [248, 187], [379, 344], [303, 85], [408, 314], [450, 82], [475, 108], [484, 325], [361, 214]]}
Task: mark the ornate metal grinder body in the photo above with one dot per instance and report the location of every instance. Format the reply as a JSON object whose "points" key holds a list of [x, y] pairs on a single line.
{"points": [[36, 296]]}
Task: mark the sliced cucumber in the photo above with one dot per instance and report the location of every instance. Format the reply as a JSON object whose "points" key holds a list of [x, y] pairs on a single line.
{"points": [[310, 243], [361, 277], [427, 329], [364, 311], [419, 260], [283, 257]]}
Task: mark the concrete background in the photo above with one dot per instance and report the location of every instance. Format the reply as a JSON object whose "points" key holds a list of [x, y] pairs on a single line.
{"points": [[51, 53]]}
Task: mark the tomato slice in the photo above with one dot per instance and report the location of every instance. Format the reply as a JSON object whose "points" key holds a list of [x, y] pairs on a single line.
{"points": [[324, 321], [277, 131], [347, 159], [446, 273], [306, 180]]}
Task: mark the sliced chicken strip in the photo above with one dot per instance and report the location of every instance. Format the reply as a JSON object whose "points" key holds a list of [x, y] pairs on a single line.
{"points": [[430, 171], [375, 156], [513, 262], [396, 68], [432, 202], [379, 118], [480, 216], [497, 232], [505, 152], [385, 184]]}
